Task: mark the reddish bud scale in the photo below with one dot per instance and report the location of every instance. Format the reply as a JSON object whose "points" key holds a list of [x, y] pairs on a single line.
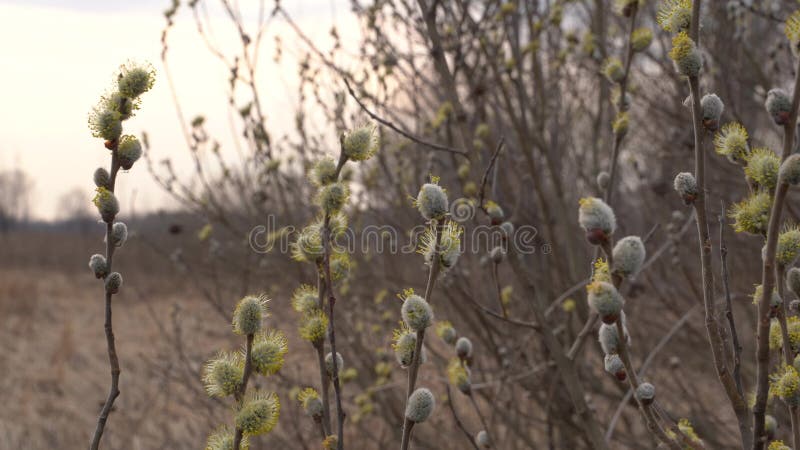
{"points": [[621, 375], [711, 124], [781, 118], [596, 236], [610, 319]]}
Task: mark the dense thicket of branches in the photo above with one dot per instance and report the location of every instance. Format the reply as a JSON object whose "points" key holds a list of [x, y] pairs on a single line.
{"points": [[449, 80]]}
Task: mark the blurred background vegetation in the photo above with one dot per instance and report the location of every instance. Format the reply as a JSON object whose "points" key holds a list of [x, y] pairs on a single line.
{"points": [[528, 72]]}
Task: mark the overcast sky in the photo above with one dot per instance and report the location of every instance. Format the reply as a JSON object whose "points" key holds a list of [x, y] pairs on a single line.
{"points": [[58, 57]]}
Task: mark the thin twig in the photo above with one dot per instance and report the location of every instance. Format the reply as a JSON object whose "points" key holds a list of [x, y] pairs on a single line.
{"points": [[113, 359], [768, 278], [248, 369], [387, 123], [485, 177], [737, 347], [459, 423], [413, 368]]}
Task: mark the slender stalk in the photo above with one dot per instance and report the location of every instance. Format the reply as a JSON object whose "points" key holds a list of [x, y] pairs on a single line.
{"points": [[788, 353], [623, 86], [478, 411], [647, 411], [326, 264], [736, 346], [593, 318], [113, 359], [730, 386], [459, 423], [768, 278], [413, 368], [320, 347], [239, 396], [323, 376]]}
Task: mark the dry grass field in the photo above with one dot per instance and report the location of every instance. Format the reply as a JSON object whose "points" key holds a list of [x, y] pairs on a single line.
{"points": [[54, 363]]}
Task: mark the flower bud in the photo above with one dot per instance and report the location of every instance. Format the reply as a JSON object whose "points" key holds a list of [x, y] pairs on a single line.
{"points": [[119, 234], [106, 204], [258, 414], [494, 211], [118, 103], [105, 124], [613, 70], [770, 426], [685, 55], [507, 229], [330, 442], [790, 170], [312, 405], [420, 405], [597, 219], [98, 265], [645, 393], [447, 333], [614, 366], [778, 445], [362, 142], [101, 178], [788, 246], [222, 375], [459, 376], [608, 336], [793, 280], [686, 186], [605, 300], [308, 246], [268, 352], [113, 282], [305, 299], [641, 39], [779, 106], [329, 363], [417, 313], [603, 178], [497, 254], [751, 215], [129, 151], [432, 201], [249, 314], [313, 326], [464, 348], [482, 439], [731, 142], [332, 197], [762, 168], [135, 79], [712, 108], [675, 15], [621, 124], [629, 255], [786, 385], [792, 31], [340, 266], [324, 172], [222, 439], [404, 343]]}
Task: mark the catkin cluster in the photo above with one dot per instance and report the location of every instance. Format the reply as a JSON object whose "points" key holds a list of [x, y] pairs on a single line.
{"points": [[227, 374], [316, 244]]}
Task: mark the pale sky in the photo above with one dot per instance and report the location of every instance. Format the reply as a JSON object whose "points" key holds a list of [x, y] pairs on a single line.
{"points": [[58, 57]]}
